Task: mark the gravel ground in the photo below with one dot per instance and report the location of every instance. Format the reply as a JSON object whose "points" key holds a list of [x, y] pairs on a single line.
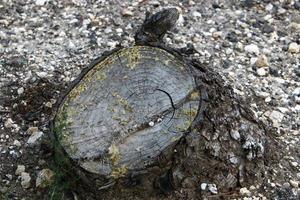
{"points": [[44, 44]]}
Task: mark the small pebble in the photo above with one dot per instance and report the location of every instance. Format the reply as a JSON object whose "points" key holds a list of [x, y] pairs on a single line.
{"points": [[20, 90], [17, 143], [294, 48], [36, 136], [25, 180], [203, 186], [127, 13], [8, 123], [40, 2], [261, 71], [196, 14], [20, 169], [286, 185], [213, 188], [262, 61], [151, 123], [252, 48], [245, 192], [294, 183]]}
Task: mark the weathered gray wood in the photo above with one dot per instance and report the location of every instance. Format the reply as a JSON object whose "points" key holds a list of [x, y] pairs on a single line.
{"points": [[127, 110]]}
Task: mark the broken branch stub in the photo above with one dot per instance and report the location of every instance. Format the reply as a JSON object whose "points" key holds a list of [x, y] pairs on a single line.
{"points": [[127, 111]]}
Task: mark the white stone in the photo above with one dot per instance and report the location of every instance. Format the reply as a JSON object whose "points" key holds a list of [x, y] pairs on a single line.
{"points": [[239, 46], [294, 183], [127, 13], [276, 116], [40, 2], [294, 164], [235, 135], [272, 184], [107, 30], [196, 14], [252, 187], [294, 48], [245, 192], [269, 7], [8, 123], [20, 169], [41, 74], [34, 137], [25, 180], [268, 99], [213, 188], [261, 71], [112, 44], [234, 160], [119, 30], [252, 48], [180, 21], [203, 186], [151, 123], [253, 61], [17, 143], [296, 92], [48, 104], [217, 34], [20, 90]]}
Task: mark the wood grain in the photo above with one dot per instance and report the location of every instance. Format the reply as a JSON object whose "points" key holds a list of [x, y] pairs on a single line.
{"points": [[126, 110]]}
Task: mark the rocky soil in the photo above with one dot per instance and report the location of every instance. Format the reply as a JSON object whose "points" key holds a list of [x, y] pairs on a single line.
{"points": [[44, 44]]}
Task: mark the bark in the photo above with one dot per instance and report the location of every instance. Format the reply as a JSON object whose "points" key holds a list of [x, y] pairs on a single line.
{"points": [[202, 132]]}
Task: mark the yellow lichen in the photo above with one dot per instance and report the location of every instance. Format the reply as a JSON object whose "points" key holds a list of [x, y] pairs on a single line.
{"points": [[187, 124], [190, 112], [81, 87], [101, 76], [118, 172], [123, 102], [114, 154], [121, 121], [194, 95]]}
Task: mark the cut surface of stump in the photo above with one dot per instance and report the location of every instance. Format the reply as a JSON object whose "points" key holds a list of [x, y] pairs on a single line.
{"points": [[126, 110]]}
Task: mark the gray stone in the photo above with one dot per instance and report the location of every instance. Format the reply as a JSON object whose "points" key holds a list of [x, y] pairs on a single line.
{"points": [[8, 123], [294, 48], [34, 138], [25, 180], [20, 169]]}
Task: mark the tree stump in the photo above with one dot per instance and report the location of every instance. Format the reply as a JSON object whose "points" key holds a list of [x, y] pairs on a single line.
{"points": [[150, 120], [145, 120]]}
